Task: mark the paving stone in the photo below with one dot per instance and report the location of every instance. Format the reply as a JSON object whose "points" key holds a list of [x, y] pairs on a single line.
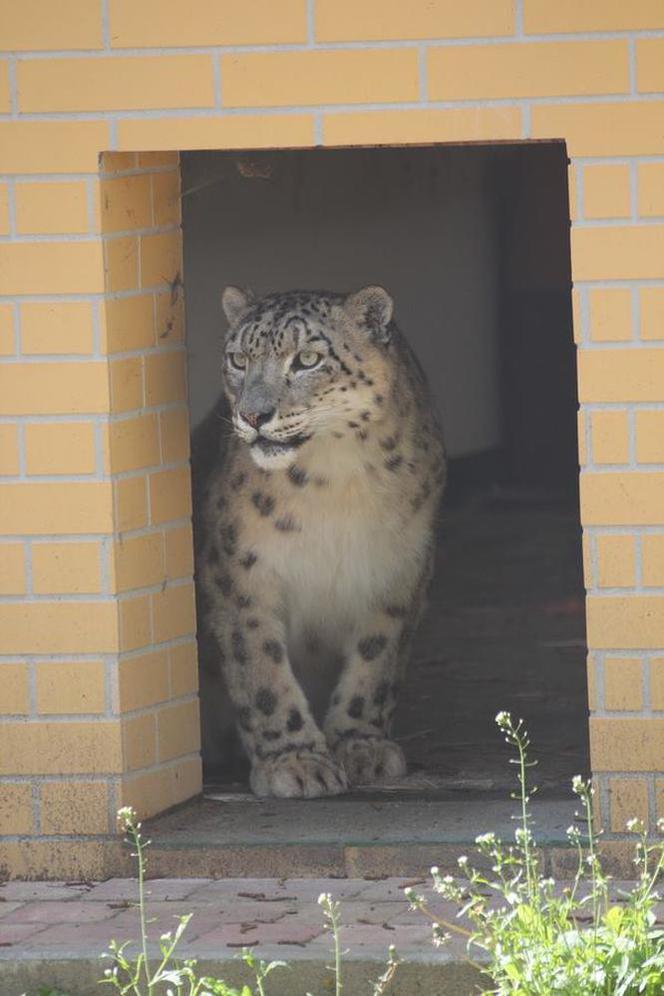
{"points": [[18, 933], [23, 891], [57, 911], [6, 908], [166, 889], [236, 935]]}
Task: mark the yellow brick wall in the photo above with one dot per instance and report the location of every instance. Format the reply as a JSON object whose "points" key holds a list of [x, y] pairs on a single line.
{"points": [[97, 653]]}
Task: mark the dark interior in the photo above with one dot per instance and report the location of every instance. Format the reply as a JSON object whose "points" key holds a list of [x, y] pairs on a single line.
{"points": [[505, 628]]}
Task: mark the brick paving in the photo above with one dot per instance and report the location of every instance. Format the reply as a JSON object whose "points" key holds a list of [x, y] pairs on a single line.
{"points": [[68, 921]]}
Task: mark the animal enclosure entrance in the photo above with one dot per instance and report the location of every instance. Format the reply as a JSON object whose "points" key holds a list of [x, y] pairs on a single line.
{"points": [[472, 243]]}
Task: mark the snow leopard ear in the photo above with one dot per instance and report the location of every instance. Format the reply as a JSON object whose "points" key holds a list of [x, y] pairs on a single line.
{"points": [[371, 311], [235, 302]]}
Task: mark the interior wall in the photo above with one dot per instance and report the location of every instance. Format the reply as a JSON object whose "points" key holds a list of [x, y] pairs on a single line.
{"points": [[418, 221]]}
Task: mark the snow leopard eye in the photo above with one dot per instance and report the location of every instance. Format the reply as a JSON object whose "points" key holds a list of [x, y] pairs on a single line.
{"points": [[237, 360], [306, 359]]}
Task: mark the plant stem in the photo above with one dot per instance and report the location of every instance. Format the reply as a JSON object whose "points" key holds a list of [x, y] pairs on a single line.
{"points": [[141, 902]]}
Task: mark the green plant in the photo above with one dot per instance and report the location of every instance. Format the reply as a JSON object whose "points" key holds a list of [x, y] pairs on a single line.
{"points": [[538, 940], [140, 975]]}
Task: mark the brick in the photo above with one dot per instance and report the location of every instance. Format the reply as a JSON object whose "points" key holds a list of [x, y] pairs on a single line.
{"points": [[542, 16], [60, 448], [134, 443], [169, 318], [9, 462], [170, 495], [51, 146], [234, 132], [66, 568], [139, 561], [123, 83], [537, 69], [184, 669], [16, 816], [5, 94], [59, 627], [139, 741], [165, 378], [161, 258], [126, 382], [657, 683], [652, 546], [4, 209], [450, 125], [51, 208], [80, 507], [650, 65], [70, 687], [622, 499], [14, 695], [178, 730], [602, 129], [173, 613], [207, 22], [174, 434], [628, 799], [149, 793], [166, 198], [7, 345], [377, 20], [121, 263], [12, 569], [610, 314], [129, 323], [38, 24], [126, 203], [56, 327], [651, 189], [591, 673], [64, 388], [652, 312], [280, 79], [610, 436], [639, 743], [606, 191], [617, 567], [587, 561], [611, 375], [623, 684], [74, 808], [135, 622], [51, 268], [179, 552], [144, 680], [60, 748], [650, 436], [76, 860], [187, 778], [131, 503], [616, 623], [581, 436], [618, 252]]}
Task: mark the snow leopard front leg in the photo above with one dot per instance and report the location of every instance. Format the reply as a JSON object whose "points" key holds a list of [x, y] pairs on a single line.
{"points": [[359, 720], [288, 753]]}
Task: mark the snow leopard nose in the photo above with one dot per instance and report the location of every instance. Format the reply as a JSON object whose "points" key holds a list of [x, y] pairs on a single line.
{"points": [[257, 419]]}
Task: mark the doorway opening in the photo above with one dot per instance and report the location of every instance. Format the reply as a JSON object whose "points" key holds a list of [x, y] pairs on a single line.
{"points": [[472, 243]]}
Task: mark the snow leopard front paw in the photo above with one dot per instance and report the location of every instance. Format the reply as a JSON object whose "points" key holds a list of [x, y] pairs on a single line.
{"points": [[369, 760], [298, 774]]}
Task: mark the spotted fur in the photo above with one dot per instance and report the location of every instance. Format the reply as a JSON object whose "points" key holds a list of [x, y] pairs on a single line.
{"points": [[318, 530]]}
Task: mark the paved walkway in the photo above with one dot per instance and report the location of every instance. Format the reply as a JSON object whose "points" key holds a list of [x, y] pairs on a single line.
{"points": [[49, 927]]}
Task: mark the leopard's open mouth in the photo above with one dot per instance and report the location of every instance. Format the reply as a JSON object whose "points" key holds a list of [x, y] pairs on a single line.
{"points": [[275, 447]]}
